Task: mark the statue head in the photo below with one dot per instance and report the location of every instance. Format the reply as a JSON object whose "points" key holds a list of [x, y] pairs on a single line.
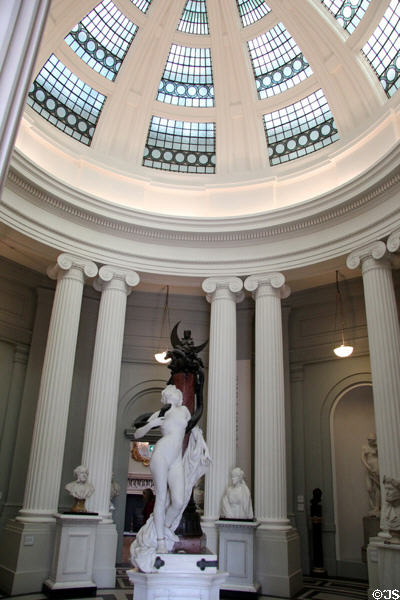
{"points": [[171, 395], [392, 490], [237, 475], [371, 439], [81, 474]]}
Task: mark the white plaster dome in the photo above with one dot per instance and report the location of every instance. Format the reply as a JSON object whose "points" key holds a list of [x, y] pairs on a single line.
{"points": [[220, 124]]}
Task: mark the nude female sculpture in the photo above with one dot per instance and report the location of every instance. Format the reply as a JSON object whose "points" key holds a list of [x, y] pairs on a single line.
{"points": [[174, 476], [166, 462]]}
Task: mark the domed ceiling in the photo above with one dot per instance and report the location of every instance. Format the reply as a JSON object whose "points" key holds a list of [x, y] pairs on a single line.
{"points": [[213, 108]]}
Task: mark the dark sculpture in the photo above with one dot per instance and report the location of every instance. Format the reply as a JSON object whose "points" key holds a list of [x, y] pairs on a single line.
{"points": [[316, 526]]}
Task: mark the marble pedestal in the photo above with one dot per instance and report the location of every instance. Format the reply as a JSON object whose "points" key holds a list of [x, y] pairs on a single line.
{"points": [[236, 554], [72, 566], [371, 526], [179, 576], [383, 565]]}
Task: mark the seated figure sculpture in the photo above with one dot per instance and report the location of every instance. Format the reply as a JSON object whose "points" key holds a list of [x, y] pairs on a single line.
{"points": [[236, 503], [174, 477], [80, 489]]}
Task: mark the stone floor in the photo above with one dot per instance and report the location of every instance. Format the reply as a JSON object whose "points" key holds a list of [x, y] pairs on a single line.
{"points": [[314, 588]]}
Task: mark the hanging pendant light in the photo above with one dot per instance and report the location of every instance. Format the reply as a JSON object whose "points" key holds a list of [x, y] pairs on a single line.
{"points": [[160, 355], [342, 351]]}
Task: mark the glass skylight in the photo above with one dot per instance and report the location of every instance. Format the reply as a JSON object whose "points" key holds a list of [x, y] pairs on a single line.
{"points": [[194, 18], [187, 78], [142, 5], [278, 62], [66, 101], [299, 129], [187, 147], [251, 11], [103, 38], [347, 12], [383, 49]]}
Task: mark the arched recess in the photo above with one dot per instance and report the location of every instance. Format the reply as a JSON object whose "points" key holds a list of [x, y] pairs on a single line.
{"points": [[339, 390], [352, 419], [140, 398]]}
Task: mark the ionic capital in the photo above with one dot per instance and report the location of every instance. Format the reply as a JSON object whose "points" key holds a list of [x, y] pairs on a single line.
{"points": [[218, 288], [119, 279], [375, 251], [267, 284], [393, 242], [66, 262]]}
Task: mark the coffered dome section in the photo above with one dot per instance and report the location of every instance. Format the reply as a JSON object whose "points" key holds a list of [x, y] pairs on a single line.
{"points": [[279, 101]]}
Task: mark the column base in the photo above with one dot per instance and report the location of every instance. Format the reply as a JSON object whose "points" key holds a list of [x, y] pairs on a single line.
{"points": [[105, 555], [25, 556], [277, 558], [211, 532]]}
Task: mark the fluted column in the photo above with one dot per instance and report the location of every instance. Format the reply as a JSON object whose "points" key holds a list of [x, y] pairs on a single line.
{"points": [[98, 446], [222, 293], [22, 23], [384, 348], [45, 466], [270, 455]]}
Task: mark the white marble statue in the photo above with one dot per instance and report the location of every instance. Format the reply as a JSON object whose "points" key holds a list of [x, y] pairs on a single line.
{"points": [[236, 503], [174, 477], [80, 489], [369, 458], [392, 508]]}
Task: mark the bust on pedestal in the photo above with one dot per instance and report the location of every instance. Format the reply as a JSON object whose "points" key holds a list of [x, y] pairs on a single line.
{"points": [[72, 567], [236, 535], [80, 489]]}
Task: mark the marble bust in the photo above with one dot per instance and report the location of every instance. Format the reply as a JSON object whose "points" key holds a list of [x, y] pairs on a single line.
{"points": [[80, 489], [392, 509], [236, 502]]}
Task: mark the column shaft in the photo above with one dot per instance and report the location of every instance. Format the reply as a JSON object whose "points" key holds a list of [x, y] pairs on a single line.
{"points": [[221, 407], [21, 27], [98, 447], [44, 472], [384, 348], [270, 445]]}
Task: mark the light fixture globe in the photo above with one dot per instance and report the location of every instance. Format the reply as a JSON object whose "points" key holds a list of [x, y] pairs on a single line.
{"points": [[343, 351], [161, 357]]}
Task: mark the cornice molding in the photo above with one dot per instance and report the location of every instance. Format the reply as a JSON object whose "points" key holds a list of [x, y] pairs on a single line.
{"points": [[245, 231]]}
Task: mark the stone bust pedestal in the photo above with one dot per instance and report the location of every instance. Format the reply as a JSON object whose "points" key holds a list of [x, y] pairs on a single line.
{"points": [[236, 554]]}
